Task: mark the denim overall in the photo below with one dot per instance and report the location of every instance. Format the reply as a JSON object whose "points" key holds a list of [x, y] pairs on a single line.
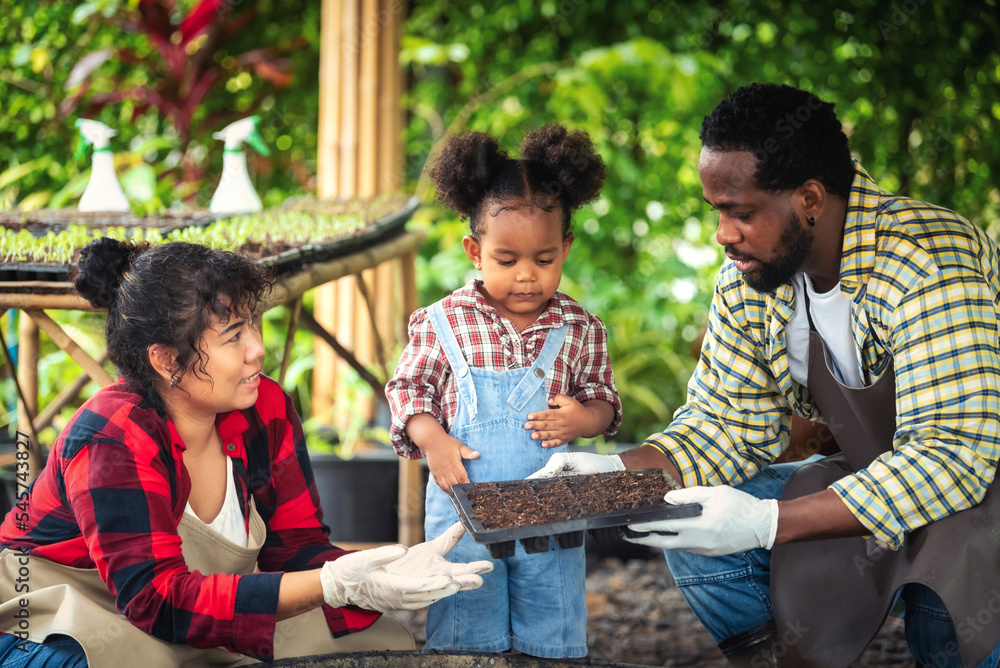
{"points": [[533, 602]]}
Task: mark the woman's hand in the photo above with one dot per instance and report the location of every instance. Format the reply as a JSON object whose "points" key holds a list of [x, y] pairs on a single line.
{"points": [[427, 558], [568, 420], [394, 578], [360, 579], [444, 459]]}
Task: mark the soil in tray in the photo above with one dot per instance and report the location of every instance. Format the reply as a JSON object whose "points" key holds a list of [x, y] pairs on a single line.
{"points": [[514, 503]]}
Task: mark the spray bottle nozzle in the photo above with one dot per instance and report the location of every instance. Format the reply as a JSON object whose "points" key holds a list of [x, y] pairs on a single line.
{"points": [[92, 133], [244, 130]]}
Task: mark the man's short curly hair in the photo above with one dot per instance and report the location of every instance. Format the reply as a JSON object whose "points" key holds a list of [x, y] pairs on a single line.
{"points": [[794, 136]]}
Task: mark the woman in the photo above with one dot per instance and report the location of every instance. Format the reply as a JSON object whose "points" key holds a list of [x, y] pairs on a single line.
{"points": [[170, 489]]}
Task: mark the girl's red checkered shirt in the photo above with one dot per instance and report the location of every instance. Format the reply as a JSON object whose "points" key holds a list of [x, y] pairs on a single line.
{"points": [[424, 383]]}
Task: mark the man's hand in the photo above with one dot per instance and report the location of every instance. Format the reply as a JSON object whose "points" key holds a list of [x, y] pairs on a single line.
{"points": [[731, 521], [578, 463], [444, 460]]}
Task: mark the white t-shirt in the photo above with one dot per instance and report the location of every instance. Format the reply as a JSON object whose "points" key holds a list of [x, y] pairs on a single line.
{"points": [[229, 522], [831, 315]]}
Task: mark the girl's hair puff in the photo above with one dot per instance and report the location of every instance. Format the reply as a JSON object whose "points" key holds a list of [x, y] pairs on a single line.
{"points": [[558, 168]]}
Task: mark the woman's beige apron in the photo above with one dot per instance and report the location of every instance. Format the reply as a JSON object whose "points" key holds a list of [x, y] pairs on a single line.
{"points": [[77, 603], [831, 597]]}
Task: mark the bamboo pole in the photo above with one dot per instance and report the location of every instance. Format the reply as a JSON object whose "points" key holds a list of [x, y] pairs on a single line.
{"points": [[328, 154], [366, 278], [411, 501], [27, 370], [27, 380], [362, 334], [363, 160], [349, 92], [390, 163], [328, 178], [31, 301], [408, 265], [340, 43], [294, 309], [411, 487], [367, 100], [364, 281], [70, 347], [68, 394], [386, 302], [342, 325], [390, 300], [324, 379]]}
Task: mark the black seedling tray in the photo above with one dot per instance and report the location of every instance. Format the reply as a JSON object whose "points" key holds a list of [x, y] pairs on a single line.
{"points": [[41, 221], [374, 233], [534, 538], [33, 271]]}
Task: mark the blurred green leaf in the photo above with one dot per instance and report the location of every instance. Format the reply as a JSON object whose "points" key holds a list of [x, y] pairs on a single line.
{"points": [[139, 182], [18, 172]]}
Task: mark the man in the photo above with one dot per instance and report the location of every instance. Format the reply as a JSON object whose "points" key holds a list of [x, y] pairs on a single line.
{"points": [[878, 315]]}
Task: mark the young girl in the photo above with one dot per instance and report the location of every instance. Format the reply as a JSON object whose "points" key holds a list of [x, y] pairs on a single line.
{"points": [[504, 372]]}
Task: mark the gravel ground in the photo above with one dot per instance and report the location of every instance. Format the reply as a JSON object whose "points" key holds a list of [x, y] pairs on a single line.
{"points": [[636, 615]]}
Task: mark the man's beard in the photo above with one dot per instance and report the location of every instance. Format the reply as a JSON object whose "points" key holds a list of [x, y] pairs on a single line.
{"points": [[794, 245]]}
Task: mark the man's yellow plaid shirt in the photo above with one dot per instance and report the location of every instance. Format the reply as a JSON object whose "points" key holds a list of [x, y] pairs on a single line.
{"points": [[925, 291]]}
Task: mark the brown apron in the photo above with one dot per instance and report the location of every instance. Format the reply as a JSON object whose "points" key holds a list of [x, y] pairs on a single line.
{"points": [[831, 596], [77, 603]]}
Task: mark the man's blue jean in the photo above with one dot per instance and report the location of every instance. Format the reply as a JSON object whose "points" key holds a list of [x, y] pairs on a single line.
{"points": [[731, 594]]}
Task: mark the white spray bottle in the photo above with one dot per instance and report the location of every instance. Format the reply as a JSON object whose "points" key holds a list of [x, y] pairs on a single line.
{"points": [[235, 193], [103, 192]]}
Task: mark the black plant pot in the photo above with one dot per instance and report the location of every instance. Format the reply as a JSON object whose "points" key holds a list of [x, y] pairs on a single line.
{"points": [[359, 496]]}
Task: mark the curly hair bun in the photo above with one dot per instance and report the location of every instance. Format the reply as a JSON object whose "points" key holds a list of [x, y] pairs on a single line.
{"points": [[466, 170], [101, 268], [569, 164]]}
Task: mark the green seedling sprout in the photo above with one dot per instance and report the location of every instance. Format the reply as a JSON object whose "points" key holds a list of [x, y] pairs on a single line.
{"points": [[305, 222]]}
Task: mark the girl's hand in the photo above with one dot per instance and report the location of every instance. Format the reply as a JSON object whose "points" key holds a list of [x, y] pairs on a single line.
{"points": [[567, 420], [444, 459]]}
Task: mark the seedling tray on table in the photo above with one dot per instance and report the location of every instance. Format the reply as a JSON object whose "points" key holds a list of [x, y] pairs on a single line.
{"points": [[378, 230], [41, 221], [301, 232], [498, 514]]}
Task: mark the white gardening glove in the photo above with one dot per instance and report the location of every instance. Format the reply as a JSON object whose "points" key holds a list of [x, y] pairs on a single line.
{"points": [[730, 521], [427, 559], [578, 463], [361, 579]]}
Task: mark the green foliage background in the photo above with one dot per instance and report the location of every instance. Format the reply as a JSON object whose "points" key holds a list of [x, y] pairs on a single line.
{"points": [[916, 83]]}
